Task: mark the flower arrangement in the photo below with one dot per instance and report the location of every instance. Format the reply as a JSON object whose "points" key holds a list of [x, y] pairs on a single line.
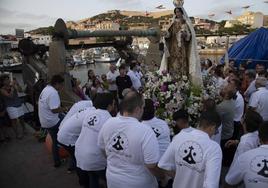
{"points": [[173, 93]]}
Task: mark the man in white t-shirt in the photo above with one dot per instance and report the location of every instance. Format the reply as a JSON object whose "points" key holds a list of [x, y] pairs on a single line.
{"points": [[250, 140], [193, 158], [69, 132], [136, 82], [90, 159], [49, 107], [159, 126], [239, 108], [79, 106], [131, 148], [251, 167], [259, 100], [111, 77]]}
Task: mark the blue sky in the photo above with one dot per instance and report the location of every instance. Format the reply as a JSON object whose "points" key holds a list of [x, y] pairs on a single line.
{"points": [[29, 14]]}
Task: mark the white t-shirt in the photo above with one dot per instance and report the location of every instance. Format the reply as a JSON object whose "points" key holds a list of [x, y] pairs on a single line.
{"points": [[136, 82], [239, 107], [247, 142], [195, 158], [129, 146], [79, 106], [251, 89], [161, 131], [250, 167], [259, 100], [71, 128], [49, 100], [88, 155], [112, 77]]}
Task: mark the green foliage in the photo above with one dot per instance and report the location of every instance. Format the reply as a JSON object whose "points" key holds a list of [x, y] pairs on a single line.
{"points": [[238, 29], [43, 30]]}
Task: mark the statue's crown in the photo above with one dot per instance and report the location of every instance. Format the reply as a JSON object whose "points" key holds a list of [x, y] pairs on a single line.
{"points": [[178, 3]]}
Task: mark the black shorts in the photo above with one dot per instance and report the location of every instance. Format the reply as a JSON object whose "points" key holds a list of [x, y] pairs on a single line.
{"points": [[4, 120]]}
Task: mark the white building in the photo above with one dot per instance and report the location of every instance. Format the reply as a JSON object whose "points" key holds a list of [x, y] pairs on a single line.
{"points": [[254, 19], [107, 25], [42, 39], [222, 40], [231, 23]]}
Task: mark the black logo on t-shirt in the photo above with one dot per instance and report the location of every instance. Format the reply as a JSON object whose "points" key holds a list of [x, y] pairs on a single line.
{"points": [[259, 165], [264, 171], [189, 158], [191, 155], [117, 145], [92, 121], [81, 110], [156, 131]]}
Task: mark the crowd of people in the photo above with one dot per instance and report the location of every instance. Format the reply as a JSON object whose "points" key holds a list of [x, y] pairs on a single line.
{"points": [[114, 138]]}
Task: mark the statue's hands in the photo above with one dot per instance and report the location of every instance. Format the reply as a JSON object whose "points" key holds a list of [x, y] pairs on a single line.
{"points": [[165, 34]]}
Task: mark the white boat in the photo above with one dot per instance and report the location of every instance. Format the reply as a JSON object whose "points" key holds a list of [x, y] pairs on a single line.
{"points": [[12, 65], [77, 60], [106, 57]]}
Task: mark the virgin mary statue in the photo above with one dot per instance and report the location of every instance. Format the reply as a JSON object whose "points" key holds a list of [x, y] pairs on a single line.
{"points": [[180, 56]]}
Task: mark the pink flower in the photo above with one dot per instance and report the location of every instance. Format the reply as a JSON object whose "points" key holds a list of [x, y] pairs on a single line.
{"points": [[164, 72], [156, 104], [164, 88]]}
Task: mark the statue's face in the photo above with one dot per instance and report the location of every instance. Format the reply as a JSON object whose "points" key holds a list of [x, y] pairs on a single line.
{"points": [[178, 13]]}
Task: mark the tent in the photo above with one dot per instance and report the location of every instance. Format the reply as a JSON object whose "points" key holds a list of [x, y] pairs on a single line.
{"points": [[253, 47]]}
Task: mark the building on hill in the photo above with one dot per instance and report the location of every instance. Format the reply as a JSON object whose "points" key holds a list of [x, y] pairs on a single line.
{"points": [[39, 38], [254, 19], [231, 23], [107, 25]]}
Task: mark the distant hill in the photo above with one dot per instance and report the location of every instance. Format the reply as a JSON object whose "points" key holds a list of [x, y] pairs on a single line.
{"points": [[42, 31], [157, 14]]}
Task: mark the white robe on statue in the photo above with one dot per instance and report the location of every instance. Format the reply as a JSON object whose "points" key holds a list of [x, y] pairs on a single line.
{"points": [[193, 56]]}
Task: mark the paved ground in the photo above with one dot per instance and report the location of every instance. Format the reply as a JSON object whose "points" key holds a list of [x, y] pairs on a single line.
{"points": [[26, 164]]}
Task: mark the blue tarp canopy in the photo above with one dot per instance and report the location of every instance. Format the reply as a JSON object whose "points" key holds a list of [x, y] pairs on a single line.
{"points": [[253, 47]]}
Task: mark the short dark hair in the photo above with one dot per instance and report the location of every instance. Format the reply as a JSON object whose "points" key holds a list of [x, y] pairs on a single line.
{"points": [[132, 65], [103, 100], [149, 110], [122, 67], [218, 70], [253, 120], [56, 79], [263, 132], [180, 114], [131, 101], [210, 118], [251, 74], [263, 73]]}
